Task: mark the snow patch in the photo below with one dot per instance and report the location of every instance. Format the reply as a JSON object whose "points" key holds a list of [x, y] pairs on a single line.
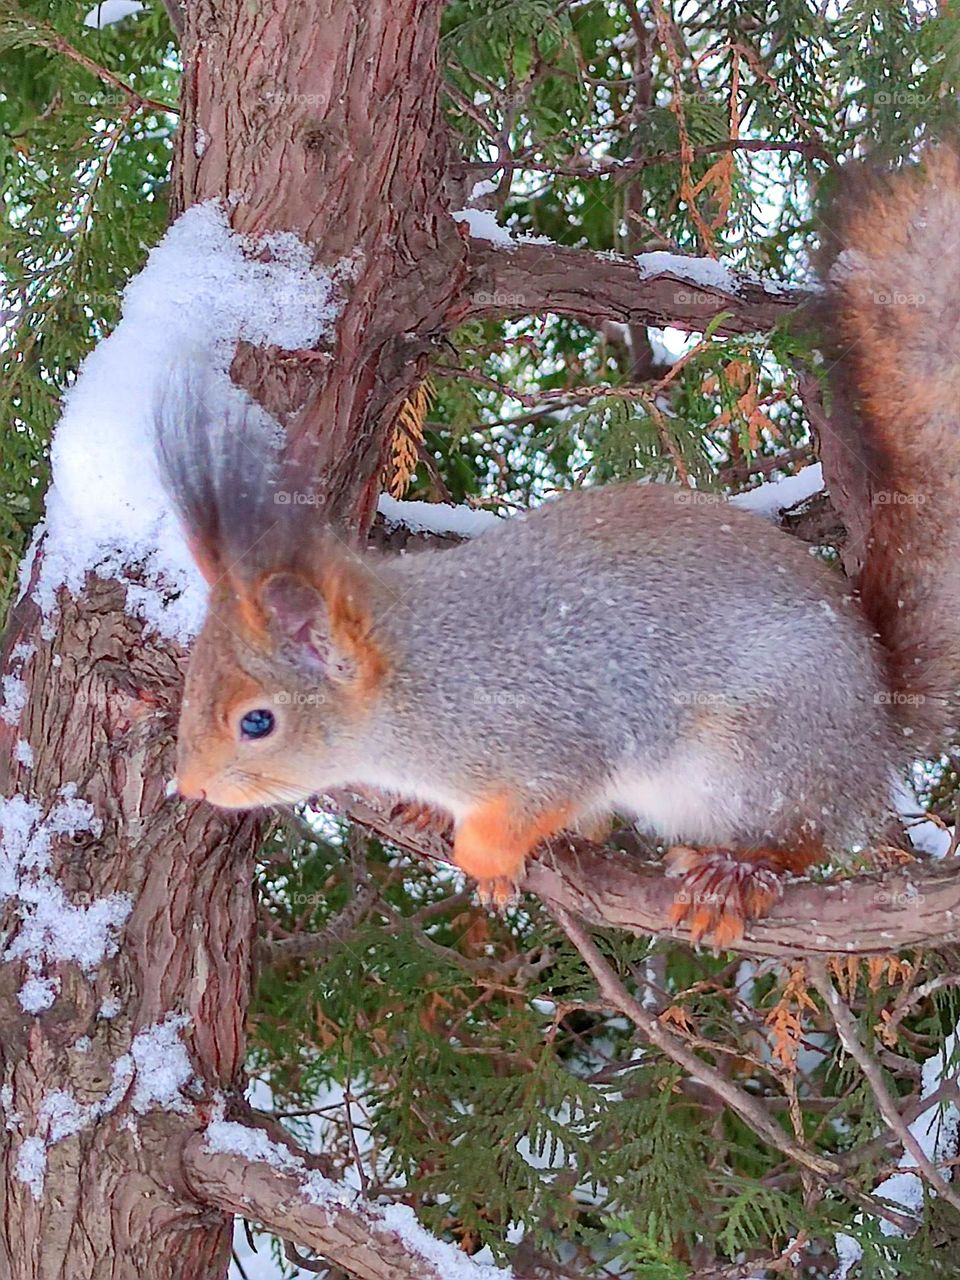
{"points": [[161, 1066], [111, 11], [52, 929], [38, 994], [485, 187], [31, 1165], [483, 225], [770, 499], [705, 273], [62, 1116], [14, 699], [110, 1007], [436, 517]]}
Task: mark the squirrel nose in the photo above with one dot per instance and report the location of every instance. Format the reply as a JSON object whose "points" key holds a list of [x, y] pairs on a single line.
{"points": [[190, 788]]}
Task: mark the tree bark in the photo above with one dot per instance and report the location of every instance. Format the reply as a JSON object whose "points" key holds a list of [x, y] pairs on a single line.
{"points": [[332, 129]]}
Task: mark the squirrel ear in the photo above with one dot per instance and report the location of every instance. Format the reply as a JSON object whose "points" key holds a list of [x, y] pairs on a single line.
{"points": [[329, 629], [298, 612]]}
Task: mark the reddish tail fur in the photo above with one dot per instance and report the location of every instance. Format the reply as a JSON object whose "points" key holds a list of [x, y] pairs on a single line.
{"points": [[895, 310]]}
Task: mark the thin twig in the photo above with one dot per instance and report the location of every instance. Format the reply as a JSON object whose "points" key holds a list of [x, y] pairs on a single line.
{"points": [[49, 39], [846, 1026], [599, 168], [735, 1098], [749, 1110], [175, 13]]}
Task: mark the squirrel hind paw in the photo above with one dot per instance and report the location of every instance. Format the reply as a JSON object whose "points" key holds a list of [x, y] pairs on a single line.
{"points": [[721, 890]]}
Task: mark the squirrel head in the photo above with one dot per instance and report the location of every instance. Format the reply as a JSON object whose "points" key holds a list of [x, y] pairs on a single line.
{"points": [[280, 684], [288, 665]]}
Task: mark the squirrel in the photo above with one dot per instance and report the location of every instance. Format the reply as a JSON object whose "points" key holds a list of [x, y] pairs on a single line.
{"points": [[638, 648]]}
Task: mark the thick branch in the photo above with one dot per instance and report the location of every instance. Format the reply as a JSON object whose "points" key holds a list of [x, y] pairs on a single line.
{"points": [[918, 905], [264, 1181], [529, 278]]}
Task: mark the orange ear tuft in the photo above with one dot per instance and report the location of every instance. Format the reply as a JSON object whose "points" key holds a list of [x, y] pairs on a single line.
{"points": [[351, 626], [328, 624], [205, 559], [251, 612]]}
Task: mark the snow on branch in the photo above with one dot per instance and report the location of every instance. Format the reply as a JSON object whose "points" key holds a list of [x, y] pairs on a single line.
{"points": [[774, 497], [239, 1170], [526, 277], [436, 517]]}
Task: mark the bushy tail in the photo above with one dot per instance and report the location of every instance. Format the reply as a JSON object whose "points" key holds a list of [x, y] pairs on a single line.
{"points": [[894, 287]]}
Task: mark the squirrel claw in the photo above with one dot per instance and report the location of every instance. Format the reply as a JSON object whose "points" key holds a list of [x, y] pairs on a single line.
{"points": [[422, 818], [721, 890], [497, 893]]}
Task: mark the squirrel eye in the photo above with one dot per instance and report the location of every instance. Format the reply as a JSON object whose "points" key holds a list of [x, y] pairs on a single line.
{"points": [[257, 724]]}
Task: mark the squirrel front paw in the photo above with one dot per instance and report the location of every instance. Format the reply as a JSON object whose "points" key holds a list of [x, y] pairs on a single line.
{"points": [[494, 840], [722, 889], [422, 818], [497, 893]]}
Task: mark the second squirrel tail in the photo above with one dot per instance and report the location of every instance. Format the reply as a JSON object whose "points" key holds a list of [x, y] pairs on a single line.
{"points": [[894, 292]]}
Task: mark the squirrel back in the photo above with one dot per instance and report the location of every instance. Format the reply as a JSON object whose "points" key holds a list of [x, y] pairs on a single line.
{"points": [[892, 258]]}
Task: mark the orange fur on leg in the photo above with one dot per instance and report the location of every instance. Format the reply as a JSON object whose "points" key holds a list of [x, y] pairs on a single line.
{"points": [[724, 888], [493, 841]]}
